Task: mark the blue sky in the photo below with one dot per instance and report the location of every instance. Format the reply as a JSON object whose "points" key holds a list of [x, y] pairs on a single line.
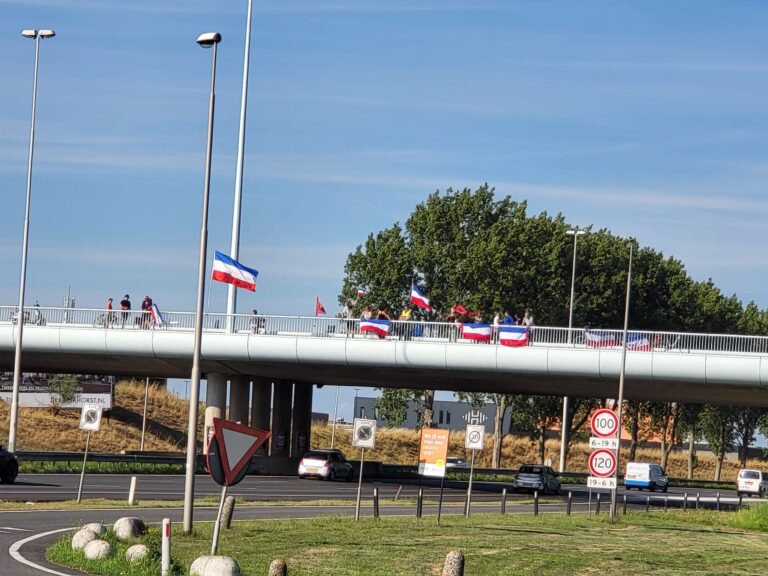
{"points": [[647, 118]]}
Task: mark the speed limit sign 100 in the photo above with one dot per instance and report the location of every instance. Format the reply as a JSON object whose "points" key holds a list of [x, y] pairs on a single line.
{"points": [[604, 423], [602, 463]]}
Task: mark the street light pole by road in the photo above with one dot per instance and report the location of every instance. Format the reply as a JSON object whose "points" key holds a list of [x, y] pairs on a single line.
{"points": [[620, 399], [37, 36], [567, 399], [335, 416], [208, 40]]}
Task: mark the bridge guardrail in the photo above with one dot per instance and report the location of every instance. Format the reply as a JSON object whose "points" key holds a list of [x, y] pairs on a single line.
{"points": [[415, 330]]}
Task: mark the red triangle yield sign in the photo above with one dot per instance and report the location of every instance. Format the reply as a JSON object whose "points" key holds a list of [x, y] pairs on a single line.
{"points": [[238, 443]]}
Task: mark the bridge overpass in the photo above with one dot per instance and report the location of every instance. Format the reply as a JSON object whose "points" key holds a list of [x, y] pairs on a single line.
{"points": [[704, 368]]}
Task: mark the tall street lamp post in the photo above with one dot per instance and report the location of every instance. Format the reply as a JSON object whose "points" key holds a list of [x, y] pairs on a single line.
{"points": [[207, 40], [37, 36], [567, 399]]}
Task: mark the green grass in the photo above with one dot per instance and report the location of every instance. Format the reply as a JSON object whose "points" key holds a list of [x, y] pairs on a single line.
{"points": [[706, 543], [75, 466]]}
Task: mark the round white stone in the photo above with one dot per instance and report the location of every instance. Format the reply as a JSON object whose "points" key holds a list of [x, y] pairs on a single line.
{"points": [[97, 528], [82, 537], [129, 527], [136, 553], [98, 550], [214, 566]]}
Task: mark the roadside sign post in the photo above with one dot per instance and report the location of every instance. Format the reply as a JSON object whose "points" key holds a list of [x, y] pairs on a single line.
{"points": [[363, 436], [474, 440], [603, 460], [229, 454], [90, 420], [433, 451]]}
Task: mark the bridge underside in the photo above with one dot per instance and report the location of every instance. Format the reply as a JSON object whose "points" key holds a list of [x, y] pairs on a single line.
{"points": [[555, 380]]}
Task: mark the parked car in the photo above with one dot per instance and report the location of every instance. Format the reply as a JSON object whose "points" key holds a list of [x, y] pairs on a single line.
{"points": [[326, 464], [534, 477], [9, 466], [644, 475], [456, 462], [751, 482]]}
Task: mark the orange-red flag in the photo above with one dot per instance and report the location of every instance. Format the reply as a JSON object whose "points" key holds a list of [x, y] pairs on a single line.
{"points": [[319, 308]]}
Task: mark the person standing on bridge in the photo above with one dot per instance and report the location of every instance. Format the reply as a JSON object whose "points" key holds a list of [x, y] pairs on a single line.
{"points": [[146, 308], [125, 307], [108, 314]]}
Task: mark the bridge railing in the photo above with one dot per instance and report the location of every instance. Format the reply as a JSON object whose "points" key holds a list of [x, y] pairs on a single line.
{"points": [[417, 331]]}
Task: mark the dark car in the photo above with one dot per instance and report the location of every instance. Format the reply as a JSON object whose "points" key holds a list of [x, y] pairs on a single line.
{"points": [[9, 466], [326, 464], [534, 477]]}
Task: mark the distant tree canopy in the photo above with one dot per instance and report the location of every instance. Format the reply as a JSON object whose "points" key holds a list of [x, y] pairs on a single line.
{"points": [[466, 247]]}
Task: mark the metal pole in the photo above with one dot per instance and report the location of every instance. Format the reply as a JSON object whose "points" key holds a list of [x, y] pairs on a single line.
{"points": [[620, 399], [335, 412], [567, 399], [235, 246], [23, 282], [217, 525], [469, 485], [82, 472], [144, 418], [440, 500], [191, 465], [360, 484]]}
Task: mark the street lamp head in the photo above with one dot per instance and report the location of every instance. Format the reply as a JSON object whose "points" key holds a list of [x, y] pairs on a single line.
{"points": [[208, 39], [38, 33], [575, 232]]}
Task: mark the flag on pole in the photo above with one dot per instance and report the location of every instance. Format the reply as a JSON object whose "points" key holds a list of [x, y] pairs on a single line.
{"points": [[319, 308], [459, 309], [230, 271], [360, 292], [157, 317], [513, 335], [479, 332], [418, 298]]}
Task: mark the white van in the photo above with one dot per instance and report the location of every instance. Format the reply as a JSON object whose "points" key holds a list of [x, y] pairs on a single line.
{"points": [[643, 475], [751, 482]]}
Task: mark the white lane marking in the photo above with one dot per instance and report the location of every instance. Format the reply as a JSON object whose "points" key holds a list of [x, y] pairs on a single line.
{"points": [[16, 555], [15, 529]]}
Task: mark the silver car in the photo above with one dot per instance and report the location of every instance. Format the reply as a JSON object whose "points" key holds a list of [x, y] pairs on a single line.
{"points": [[326, 464], [534, 477]]}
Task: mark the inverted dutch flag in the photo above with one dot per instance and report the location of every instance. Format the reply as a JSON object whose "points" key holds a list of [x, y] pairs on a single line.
{"points": [[379, 327], [418, 298], [157, 317], [230, 271], [360, 292], [513, 335], [638, 342], [479, 332], [599, 339]]}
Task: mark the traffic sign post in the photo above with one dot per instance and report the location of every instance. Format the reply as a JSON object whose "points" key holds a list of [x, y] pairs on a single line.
{"points": [[229, 454], [90, 420], [474, 439], [363, 436]]}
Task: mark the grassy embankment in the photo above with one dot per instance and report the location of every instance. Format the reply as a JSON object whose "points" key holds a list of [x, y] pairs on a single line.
{"points": [[40, 429], [664, 543]]}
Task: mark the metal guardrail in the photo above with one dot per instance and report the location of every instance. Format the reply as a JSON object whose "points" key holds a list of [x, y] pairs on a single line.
{"points": [[415, 331]]}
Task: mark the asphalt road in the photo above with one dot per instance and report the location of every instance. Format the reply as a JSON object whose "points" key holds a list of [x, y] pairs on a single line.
{"points": [[26, 534]]}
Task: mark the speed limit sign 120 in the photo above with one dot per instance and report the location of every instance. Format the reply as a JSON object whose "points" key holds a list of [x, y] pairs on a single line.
{"points": [[604, 423], [602, 463]]}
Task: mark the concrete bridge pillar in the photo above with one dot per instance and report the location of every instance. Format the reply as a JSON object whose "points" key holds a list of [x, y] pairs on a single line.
{"points": [[215, 403], [239, 395], [302, 418], [281, 418], [261, 404]]}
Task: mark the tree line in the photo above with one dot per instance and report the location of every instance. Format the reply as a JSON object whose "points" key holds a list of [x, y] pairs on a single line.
{"points": [[466, 246]]}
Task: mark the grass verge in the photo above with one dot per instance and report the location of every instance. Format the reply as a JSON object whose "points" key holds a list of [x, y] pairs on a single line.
{"points": [[665, 543]]}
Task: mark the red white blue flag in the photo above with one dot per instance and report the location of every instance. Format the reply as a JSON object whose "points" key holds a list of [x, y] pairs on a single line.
{"points": [[599, 339], [513, 335], [478, 332], [378, 327], [638, 342], [230, 271], [157, 317], [418, 298]]}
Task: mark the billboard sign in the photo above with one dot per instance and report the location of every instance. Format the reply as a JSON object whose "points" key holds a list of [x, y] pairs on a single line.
{"points": [[433, 451]]}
